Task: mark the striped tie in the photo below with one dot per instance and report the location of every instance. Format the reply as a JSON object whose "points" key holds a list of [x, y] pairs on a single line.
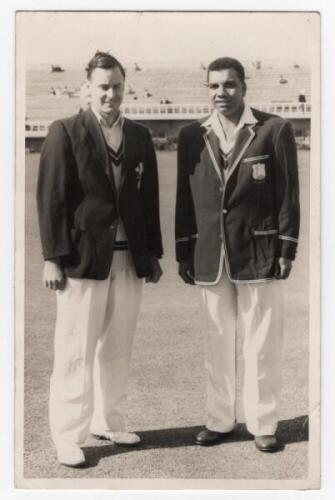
{"points": [[224, 159], [115, 157]]}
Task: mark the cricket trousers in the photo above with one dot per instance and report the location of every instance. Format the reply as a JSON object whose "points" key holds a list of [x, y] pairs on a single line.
{"points": [[259, 310], [95, 326]]}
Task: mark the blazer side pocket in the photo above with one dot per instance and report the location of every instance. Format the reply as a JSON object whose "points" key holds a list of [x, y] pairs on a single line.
{"points": [[264, 232], [265, 244]]}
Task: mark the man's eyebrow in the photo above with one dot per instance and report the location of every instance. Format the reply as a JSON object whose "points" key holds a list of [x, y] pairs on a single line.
{"points": [[109, 85], [222, 83], [228, 81]]}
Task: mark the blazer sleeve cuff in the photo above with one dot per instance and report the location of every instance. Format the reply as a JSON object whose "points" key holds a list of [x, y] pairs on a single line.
{"points": [[56, 253], [185, 247], [55, 260], [287, 247], [155, 247]]}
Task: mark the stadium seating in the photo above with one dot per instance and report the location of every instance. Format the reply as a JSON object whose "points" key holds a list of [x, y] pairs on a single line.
{"points": [[178, 85]]}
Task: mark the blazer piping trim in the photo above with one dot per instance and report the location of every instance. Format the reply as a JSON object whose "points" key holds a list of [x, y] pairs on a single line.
{"points": [[288, 238], [218, 277], [210, 283], [253, 158], [264, 232], [211, 154], [187, 238], [182, 240]]}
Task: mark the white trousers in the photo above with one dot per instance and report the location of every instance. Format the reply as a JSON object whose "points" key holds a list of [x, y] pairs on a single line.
{"points": [[259, 308], [95, 326]]}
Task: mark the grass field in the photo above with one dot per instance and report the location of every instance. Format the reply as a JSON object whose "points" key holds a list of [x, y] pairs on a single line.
{"points": [[166, 392]]}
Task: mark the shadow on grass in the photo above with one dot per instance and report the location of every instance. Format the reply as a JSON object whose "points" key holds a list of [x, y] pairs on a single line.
{"points": [[289, 431]]}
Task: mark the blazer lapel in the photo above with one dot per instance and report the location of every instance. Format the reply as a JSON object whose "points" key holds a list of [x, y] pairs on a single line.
{"points": [[130, 146], [244, 138], [212, 144]]}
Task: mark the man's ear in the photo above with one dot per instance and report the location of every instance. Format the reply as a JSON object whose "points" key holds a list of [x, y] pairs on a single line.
{"points": [[85, 93], [244, 88]]}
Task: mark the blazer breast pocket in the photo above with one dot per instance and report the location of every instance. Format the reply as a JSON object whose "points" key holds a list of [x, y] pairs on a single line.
{"points": [[257, 166]]}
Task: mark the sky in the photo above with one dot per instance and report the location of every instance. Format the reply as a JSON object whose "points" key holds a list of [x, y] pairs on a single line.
{"points": [[164, 37]]}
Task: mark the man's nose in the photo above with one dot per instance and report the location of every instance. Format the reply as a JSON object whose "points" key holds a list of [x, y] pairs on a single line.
{"points": [[221, 89], [110, 92]]}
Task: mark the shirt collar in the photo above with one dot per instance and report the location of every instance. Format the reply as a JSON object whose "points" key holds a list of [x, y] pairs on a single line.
{"points": [[118, 122], [247, 118]]}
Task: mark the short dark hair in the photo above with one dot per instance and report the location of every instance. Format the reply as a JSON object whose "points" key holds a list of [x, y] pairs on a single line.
{"points": [[227, 63], [103, 60]]}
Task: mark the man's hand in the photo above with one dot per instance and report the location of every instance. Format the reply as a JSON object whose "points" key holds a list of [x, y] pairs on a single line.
{"points": [[186, 271], [156, 272], [53, 276], [284, 268]]}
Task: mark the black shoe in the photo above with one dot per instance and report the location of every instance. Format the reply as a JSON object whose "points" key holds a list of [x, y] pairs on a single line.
{"points": [[210, 438], [266, 443]]}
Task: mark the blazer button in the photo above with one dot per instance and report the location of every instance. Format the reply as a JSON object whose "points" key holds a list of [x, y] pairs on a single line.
{"points": [[224, 211], [112, 227]]}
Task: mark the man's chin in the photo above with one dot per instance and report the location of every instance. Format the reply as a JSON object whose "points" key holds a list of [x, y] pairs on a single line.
{"points": [[223, 108], [109, 110], [224, 111]]}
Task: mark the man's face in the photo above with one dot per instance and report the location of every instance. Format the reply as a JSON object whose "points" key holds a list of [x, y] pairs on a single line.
{"points": [[226, 92], [106, 90]]}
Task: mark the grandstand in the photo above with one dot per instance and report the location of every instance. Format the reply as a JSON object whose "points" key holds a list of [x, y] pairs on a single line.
{"points": [[183, 88], [188, 85]]}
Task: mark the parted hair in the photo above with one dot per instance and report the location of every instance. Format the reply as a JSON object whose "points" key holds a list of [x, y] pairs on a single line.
{"points": [[103, 60]]}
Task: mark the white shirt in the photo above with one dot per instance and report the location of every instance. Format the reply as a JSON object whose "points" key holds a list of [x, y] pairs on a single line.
{"points": [[214, 123], [113, 134]]}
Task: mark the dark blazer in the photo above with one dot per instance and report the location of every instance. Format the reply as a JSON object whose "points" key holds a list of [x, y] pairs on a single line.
{"points": [[255, 214], [78, 206]]}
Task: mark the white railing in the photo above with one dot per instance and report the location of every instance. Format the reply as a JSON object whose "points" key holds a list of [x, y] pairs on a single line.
{"points": [[166, 111], [186, 111], [192, 110], [297, 110]]}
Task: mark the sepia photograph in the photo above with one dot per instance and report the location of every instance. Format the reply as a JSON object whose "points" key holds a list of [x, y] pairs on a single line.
{"points": [[167, 265]]}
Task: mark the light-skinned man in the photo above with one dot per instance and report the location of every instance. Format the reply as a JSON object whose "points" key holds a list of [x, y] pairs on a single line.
{"points": [[237, 224], [98, 209]]}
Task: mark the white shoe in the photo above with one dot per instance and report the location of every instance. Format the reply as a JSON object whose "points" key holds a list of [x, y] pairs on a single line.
{"points": [[71, 455], [125, 438]]}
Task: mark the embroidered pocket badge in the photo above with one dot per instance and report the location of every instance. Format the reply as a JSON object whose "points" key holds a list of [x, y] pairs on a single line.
{"points": [[139, 171], [258, 171]]}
